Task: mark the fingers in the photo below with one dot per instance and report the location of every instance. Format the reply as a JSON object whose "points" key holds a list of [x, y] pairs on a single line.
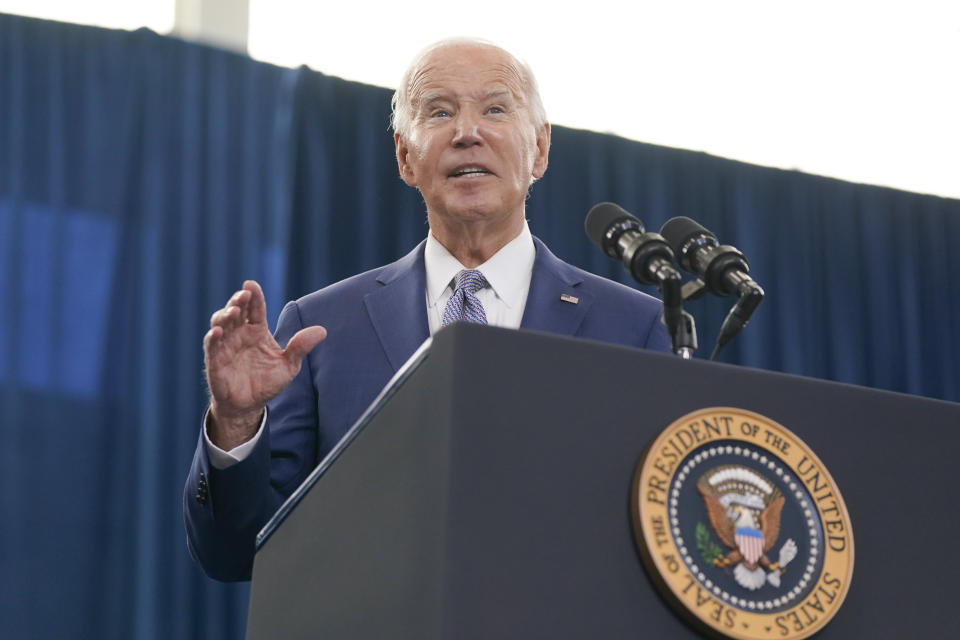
{"points": [[246, 305], [211, 343], [303, 342], [212, 336], [241, 300], [257, 305], [226, 318]]}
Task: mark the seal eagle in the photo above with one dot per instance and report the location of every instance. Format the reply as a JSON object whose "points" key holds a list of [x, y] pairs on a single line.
{"points": [[744, 511]]}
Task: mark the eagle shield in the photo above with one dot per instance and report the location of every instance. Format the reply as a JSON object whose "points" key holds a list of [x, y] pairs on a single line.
{"points": [[750, 543]]}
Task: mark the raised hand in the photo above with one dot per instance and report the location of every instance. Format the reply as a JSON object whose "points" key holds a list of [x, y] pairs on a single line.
{"points": [[245, 365]]}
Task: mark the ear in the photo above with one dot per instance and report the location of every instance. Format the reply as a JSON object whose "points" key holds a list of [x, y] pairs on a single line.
{"points": [[543, 151], [403, 164]]}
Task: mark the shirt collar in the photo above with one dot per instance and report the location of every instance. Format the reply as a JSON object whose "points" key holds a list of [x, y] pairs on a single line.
{"points": [[501, 270]]}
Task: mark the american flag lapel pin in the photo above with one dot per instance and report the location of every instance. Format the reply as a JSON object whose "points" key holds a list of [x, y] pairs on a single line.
{"points": [[568, 298]]}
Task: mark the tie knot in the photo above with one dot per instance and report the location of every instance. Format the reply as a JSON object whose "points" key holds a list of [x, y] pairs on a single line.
{"points": [[463, 303], [470, 281]]}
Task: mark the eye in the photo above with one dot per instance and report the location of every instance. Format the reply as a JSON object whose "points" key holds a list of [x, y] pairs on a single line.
{"points": [[495, 110], [440, 113]]}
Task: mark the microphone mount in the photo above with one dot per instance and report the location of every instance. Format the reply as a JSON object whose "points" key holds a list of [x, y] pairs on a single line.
{"points": [[719, 269], [650, 260]]}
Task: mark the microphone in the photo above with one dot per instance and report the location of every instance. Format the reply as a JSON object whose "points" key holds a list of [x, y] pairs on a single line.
{"points": [[647, 256], [722, 268], [649, 259]]}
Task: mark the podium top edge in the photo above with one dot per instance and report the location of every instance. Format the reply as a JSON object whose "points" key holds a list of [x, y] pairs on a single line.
{"points": [[412, 364]]}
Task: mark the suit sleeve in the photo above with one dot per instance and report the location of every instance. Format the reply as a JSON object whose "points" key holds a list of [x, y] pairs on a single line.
{"points": [[225, 509], [658, 338]]}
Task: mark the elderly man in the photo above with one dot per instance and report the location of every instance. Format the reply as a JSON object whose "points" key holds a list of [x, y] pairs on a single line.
{"points": [[472, 136]]}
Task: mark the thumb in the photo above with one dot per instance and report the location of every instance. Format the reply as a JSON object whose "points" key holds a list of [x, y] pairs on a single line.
{"points": [[303, 342]]}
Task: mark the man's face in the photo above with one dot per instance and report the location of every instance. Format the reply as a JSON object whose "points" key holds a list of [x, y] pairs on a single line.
{"points": [[472, 148]]}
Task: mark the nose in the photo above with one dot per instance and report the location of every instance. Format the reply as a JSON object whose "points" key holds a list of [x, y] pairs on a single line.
{"points": [[467, 130]]}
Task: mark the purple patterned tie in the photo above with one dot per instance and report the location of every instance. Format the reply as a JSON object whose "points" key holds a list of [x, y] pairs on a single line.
{"points": [[464, 304]]}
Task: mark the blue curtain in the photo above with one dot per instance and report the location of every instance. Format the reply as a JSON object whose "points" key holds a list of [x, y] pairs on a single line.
{"points": [[142, 179]]}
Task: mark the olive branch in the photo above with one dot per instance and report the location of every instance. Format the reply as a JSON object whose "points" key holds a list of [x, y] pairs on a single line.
{"points": [[709, 550]]}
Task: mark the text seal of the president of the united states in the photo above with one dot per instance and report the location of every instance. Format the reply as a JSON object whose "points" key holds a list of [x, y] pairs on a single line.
{"points": [[742, 527]]}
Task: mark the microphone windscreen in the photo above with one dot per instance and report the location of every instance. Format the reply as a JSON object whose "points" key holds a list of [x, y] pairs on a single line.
{"points": [[677, 231], [601, 216]]}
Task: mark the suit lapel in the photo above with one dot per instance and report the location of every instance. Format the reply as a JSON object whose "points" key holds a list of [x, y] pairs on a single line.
{"points": [[398, 309], [555, 302]]}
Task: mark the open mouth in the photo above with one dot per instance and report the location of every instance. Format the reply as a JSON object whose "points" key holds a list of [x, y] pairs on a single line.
{"points": [[469, 171]]}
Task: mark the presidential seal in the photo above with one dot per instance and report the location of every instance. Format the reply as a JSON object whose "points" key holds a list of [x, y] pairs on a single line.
{"points": [[741, 526]]}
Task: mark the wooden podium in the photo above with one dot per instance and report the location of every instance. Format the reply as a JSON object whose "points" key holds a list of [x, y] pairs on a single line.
{"points": [[486, 495]]}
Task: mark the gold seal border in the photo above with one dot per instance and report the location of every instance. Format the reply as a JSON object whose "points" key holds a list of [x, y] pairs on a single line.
{"points": [[662, 557]]}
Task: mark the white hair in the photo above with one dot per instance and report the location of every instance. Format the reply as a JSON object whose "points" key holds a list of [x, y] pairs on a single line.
{"points": [[402, 108]]}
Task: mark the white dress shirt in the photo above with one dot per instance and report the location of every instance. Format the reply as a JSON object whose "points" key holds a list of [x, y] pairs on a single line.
{"points": [[508, 274]]}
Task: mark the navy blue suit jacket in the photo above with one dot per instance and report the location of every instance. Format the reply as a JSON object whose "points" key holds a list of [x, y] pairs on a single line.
{"points": [[375, 321]]}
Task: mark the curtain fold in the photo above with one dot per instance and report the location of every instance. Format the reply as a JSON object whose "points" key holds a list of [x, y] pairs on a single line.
{"points": [[143, 178]]}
